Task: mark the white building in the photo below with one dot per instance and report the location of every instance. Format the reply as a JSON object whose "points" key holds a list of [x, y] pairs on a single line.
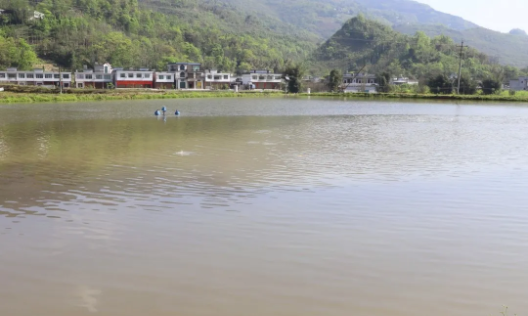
{"points": [[164, 80], [100, 77], [262, 79], [36, 77], [142, 78], [37, 16], [217, 80], [520, 84], [361, 82]]}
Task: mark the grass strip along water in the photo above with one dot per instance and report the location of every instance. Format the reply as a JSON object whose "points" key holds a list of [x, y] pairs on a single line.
{"points": [[16, 94]]}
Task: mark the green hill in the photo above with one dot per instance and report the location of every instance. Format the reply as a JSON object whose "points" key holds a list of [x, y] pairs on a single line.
{"points": [[325, 17], [232, 35], [128, 33], [376, 47], [508, 49]]}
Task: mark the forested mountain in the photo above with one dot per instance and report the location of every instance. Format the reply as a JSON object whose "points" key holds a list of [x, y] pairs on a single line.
{"points": [[319, 19], [509, 49], [376, 48], [231, 35], [77, 32], [325, 17]]}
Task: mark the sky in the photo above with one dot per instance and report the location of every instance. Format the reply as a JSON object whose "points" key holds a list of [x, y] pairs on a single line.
{"points": [[501, 16]]}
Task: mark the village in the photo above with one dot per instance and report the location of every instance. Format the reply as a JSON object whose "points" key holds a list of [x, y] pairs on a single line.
{"points": [[192, 76], [179, 76]]}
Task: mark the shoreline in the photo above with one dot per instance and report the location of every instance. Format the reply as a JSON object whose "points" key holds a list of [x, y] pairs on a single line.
{"points": [[403, 96], [8, 97], [75, 95]]}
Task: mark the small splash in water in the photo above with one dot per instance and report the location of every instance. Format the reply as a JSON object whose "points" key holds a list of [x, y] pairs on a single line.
{"points": [[183, 153]]}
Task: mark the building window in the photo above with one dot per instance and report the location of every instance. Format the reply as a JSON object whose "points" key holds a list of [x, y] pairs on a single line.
{"points": [[56, 76], [30, 76], [182, 74], [2, 75], [130, 75], [22, 76], [65, 76], [270, 77], [209, 77], [182, 67], [80, 85], [80, 76], [262, 77], [89, 77], [216, 77], [138, 75], [39, 76], [196, 68], [254, 77], [99, 77], [48, 76], [147, 76], [122, 75], [226, 77], [169, 77], [11, 76], [278, 77], [108, 77], [161, 77]]}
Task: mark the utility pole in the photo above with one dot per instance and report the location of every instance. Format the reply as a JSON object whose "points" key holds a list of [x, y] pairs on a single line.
{"points": [[460, 66]]}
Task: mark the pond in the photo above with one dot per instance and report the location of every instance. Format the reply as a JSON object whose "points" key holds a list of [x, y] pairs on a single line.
{"points": [[274, 206]]}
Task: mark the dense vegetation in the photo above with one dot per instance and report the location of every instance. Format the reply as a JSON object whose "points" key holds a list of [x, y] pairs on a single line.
{"points": [[239, 35], [325, 17], [78, 32], [507, 49], [376, 48]]}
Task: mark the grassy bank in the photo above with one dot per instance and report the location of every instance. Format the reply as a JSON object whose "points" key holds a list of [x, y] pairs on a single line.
{"points": [[16, 94], [504, 97], [106, 95]]}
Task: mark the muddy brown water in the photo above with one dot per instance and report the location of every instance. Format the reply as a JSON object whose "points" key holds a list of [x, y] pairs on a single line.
{"points": [[263, 207]]}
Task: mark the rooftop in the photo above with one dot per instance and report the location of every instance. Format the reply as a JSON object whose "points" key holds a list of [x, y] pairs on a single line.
{"points": [[187, 64], [359, 75]]}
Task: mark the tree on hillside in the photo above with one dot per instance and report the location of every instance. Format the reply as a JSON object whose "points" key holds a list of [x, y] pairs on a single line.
{"points": [[334, 80], [384, 82], [440, 85], [16, 53], [491, 86], [293, 76]]}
